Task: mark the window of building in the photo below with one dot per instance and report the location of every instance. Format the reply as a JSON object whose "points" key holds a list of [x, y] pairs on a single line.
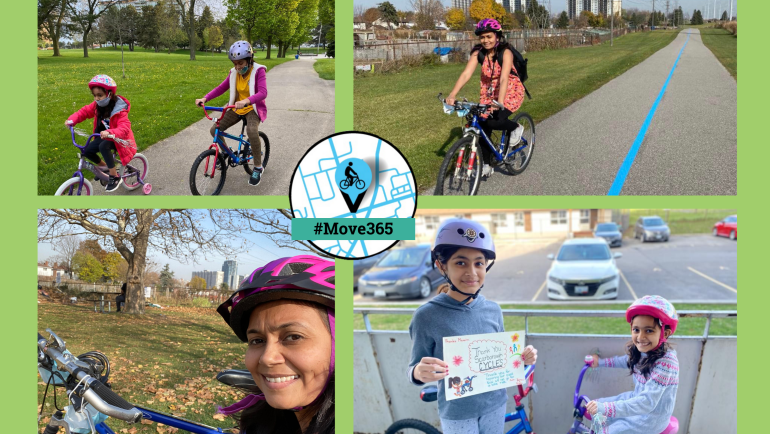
{"points": [[558, 217], [431, 222], [500, 220], [518, 219], [585, 216]]}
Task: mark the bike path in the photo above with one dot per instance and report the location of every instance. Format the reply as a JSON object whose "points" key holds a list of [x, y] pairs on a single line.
{"points": [[690, 145], [300, 111]]}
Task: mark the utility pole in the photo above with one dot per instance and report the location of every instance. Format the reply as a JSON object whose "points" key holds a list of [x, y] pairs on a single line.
{"points": [[653, 15], [666, 16], [731, 10], [612, 21]]}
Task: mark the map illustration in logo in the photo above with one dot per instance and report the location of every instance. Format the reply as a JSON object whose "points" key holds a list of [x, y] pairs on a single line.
{"points": [[353, 177], [378, 184]]}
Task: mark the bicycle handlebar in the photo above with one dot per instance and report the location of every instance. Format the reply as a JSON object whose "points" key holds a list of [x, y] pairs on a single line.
{"points": [[217, 109], [471, 105], [101, 397]]}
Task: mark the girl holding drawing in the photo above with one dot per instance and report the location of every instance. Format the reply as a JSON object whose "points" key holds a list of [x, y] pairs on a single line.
{"points": [[463, 252]]}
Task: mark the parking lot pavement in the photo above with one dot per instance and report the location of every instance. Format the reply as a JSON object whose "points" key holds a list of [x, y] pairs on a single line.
{"points": [[688, 267]]}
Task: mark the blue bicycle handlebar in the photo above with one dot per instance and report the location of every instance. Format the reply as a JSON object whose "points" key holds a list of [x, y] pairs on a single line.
{"points": [[216, 109]]}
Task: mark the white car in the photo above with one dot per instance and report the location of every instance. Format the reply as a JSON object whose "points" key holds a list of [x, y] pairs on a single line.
{"points": [[584, 269]]}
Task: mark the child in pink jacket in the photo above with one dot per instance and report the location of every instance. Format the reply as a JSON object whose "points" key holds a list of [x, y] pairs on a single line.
{"points": [[110, 114], [248, 90]]}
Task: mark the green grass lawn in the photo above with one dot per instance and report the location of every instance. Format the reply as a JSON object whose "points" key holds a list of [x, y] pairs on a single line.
{"points": [[403, 109], [161, 87], [324, 68], [724, 45], [680, 221], [686, 327], [166, 360]]}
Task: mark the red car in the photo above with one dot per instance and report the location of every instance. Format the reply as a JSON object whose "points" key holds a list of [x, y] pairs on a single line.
{"points": [[727, 228]]}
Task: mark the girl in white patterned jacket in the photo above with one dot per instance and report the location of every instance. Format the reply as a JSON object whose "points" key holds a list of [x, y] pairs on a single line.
{"points": [[654, 367]]}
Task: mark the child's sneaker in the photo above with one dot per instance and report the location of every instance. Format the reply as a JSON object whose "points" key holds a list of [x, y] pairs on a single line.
{"points": [[114, 183], [516, 136], [256, 175], [487, 171]]}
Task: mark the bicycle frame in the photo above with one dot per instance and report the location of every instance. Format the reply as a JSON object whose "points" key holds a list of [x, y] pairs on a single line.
{"points": [[84, 164], [165, 419], [218, 144], [520, 414]]}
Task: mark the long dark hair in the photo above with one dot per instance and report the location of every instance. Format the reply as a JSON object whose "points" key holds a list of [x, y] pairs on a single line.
{"points": [[104, 112], [261, 418], [646, 364], [502, 45]]}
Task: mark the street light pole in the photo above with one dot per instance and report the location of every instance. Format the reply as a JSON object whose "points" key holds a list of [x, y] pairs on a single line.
{"points": [[612, 21]]}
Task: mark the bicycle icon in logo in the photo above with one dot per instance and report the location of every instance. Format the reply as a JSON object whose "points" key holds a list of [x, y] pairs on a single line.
{"points": [[351, 179]]}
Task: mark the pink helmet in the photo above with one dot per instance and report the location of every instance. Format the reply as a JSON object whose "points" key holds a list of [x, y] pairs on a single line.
{"points": [[303, 277], [104, 81], [488, 25], [658, 308]]}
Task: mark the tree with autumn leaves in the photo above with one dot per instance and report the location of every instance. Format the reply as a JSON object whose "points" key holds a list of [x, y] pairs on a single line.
{"points": [[481, 9]]}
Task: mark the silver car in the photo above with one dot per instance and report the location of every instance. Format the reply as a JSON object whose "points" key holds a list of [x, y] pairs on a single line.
{"points": [[651, 229], [584, 268]]}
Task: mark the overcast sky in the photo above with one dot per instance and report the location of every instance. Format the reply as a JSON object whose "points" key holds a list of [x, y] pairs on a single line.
{"points": [[261, 251], [559, 5]]}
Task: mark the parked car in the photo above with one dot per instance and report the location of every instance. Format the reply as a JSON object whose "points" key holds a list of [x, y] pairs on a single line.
{"points": [[361, 266], [727, 228], [610, 232], [404, 272], [584, 268], [651, 229]]}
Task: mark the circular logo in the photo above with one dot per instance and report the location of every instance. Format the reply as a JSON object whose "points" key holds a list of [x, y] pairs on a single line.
{"points": [[353, 175]]}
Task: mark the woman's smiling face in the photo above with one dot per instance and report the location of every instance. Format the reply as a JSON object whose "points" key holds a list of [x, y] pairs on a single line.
{"points": [[488, 40], [289, 352]]}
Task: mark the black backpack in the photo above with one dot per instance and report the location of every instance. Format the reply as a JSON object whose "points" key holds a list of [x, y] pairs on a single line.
{"points": [[519, 63]]}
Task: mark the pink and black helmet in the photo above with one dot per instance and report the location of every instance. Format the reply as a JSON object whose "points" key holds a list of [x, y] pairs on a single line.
{"points": [[303, 277], [658, 308], [104, 81], [488, 25]]}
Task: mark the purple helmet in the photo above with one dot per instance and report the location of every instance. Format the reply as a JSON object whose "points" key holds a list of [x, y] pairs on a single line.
{"points": [[488, 25], [240, 50], [465, 233]]}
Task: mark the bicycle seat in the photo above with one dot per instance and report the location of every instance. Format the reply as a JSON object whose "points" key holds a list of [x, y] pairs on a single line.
{"points": [[239, 378], [429, 393], [673, 426]]}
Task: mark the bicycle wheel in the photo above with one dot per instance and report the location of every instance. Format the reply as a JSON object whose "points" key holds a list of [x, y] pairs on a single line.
{"points": [[70, 188], [408, 426], [360, 184], [522, 152], [135, 170], [201, 181], [249, 166], [344, 184], [453, 178]]}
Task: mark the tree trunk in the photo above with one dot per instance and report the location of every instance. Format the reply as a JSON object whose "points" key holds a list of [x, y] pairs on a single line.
{"points": [[55, 39], [137, 260], [269, 45], [85, 43], [191, 30]]}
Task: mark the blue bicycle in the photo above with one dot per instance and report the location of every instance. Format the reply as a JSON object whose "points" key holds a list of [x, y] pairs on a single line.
{"points": [[430, 394], [460, 172], [92, 401], [209, 178]]}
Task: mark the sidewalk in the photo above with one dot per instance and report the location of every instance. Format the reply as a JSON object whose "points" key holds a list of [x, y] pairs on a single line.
{"points": [[300, 111]]}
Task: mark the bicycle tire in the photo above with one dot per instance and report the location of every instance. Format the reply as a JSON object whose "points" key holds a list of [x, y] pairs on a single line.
{"points": [[140, 163], [207, 189], [525, 120], [70, 188], [448, 166], [344, 184], [249, 167], [399, 426], [361, 183]]}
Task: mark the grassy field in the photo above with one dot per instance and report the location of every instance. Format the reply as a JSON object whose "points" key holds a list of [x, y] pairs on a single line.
{"points": [[686, 327], [161, 87], [166, 360], [324, 68], [403, 108], [682, 221], [724, 45]]}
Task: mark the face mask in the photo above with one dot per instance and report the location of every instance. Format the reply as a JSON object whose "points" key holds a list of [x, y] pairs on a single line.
{"points": [[243, 70], [104, 102]]}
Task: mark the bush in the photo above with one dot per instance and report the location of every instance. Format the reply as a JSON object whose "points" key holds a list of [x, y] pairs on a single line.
{"points": [[201, 302], [399, 65]]}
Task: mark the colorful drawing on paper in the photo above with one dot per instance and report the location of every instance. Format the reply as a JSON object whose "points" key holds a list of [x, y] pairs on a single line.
{"points": [[482, 363]]}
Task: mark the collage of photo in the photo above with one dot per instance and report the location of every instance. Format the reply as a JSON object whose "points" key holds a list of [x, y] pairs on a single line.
{"points": [[606, 240]]}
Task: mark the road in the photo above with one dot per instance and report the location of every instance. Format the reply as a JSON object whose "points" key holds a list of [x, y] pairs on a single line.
{"points": [[688, 267], [300, 111], [689, 146]]}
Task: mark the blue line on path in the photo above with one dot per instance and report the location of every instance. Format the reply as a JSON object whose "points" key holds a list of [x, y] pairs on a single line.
{"points": [[620, 178]]}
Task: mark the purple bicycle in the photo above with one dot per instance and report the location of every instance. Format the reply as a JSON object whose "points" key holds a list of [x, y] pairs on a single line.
{"points": [[430, 394], [580, 402], [134, 173], [91, 399]]}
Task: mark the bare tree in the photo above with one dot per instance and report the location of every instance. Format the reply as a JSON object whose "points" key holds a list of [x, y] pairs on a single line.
{"points": [[275, 224], [358, 11], [427, 13], [188, 18], [84, 14], [66, 247], [176, 233]]}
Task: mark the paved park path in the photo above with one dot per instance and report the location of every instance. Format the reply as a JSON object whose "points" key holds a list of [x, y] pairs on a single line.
{"points": [[689, 148], [300, 111]]}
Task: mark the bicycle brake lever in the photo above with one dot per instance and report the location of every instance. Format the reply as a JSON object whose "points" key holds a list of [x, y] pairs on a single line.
{"points": [[59, 343]]}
